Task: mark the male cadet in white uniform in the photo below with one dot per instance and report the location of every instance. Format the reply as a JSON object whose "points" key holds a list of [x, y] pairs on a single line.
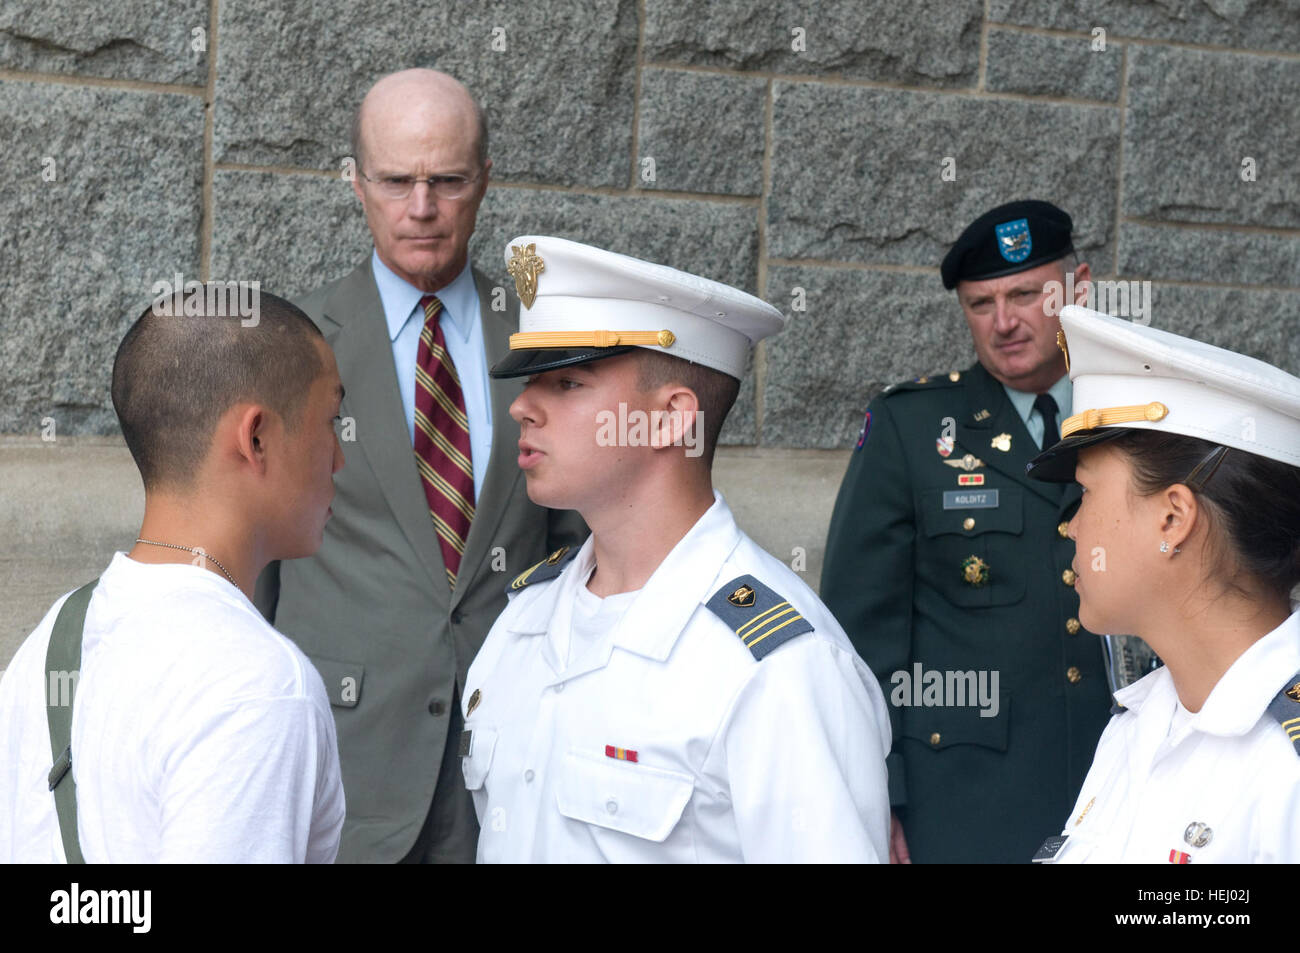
{"points": [[201, 734], [668, 691], [1188, 536]]}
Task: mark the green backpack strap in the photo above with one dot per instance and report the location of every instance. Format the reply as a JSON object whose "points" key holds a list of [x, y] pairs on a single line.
{"points": [[63, 668]]}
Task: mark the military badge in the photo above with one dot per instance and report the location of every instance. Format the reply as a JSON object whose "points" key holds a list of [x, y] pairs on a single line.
{"points": [[743, 597], [1293, 692], [944, 445], [974, 571], [968, 462], [970, 479], [524, 266], [1198, 834], [1014, 241], [1063, 345], [1002, 442], [474, 699]]}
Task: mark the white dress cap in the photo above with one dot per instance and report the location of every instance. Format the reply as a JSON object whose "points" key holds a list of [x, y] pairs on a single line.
{"points": [[1128, 375], [582, 303]]}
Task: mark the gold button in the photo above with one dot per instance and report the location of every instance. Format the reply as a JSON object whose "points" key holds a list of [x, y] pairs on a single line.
{"points": [[934, 740], [1072, 626], [1072, 673], [1063, 530], [954, 376], [1068, 577], [968, 523]]}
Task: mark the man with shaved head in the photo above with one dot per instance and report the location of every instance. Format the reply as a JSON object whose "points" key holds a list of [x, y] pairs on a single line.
{"points": [[432, 518], [201, 735]]}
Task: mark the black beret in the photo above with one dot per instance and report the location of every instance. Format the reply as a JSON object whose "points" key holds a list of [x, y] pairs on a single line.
{"points": [[1009, 239]]}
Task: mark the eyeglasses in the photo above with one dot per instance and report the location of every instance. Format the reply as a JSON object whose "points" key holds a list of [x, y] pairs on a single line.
{"points": [[397, 187]]}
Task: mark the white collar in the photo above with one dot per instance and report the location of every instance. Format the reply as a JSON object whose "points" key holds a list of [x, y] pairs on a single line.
{"points": [[682, 582]]}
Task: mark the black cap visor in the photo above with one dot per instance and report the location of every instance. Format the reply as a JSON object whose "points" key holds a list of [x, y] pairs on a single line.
{"points": [[1056, 463], [534, 360]]}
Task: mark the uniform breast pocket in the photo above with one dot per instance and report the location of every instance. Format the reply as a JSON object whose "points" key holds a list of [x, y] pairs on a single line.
{"points": [[627, 798], [972, 554]]}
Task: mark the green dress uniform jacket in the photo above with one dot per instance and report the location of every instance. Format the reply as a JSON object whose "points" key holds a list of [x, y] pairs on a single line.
{"points": [[372, 609], [900, 578]]}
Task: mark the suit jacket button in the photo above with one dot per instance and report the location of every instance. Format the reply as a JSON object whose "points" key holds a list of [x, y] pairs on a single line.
{"points": [[1072, 625], [1073, 675], [1068, 577], [1063, 529], [437, 707], [934, 740]]}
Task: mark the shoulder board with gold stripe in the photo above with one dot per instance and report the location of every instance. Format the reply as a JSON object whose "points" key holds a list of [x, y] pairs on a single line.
{"points": [[1285, 707], [923, 382], [548, 568], [762, 619]]}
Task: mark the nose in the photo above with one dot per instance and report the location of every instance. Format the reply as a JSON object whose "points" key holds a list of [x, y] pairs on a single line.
{"points": [[1004, 316], [422, 203], [524, 407]]}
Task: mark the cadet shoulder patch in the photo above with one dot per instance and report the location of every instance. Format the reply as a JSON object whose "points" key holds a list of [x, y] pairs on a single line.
{"points": [[762, 619], [1285, 707], [548, 568]]}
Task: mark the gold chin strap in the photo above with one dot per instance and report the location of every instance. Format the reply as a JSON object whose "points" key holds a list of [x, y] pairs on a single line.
{"points": [[1106, 416], [527, 339]]}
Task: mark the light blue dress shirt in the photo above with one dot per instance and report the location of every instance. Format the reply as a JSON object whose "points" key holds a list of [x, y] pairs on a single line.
{"points": [[1062, 392], [463, 330]]}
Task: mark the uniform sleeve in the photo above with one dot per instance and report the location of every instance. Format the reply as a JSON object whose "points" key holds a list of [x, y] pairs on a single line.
{"points": [[254, 782], [867, 576], [803, 759]]}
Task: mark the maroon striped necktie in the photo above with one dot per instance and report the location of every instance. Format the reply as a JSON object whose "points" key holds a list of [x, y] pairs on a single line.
{"points": [[442, 450]]}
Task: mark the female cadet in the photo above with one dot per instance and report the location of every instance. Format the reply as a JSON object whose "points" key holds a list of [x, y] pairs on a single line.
{"points": [[1188, 535]]}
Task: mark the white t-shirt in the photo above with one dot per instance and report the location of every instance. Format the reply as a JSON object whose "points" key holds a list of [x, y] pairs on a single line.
{"points": [[199, 732]]}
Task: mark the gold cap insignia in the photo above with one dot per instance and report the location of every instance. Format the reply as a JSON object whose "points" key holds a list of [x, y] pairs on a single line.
{"points": [[1002, 442], [1293, 692], [743, 597], [524, 266], [975, 571], [1065, 348], [473, 702]]}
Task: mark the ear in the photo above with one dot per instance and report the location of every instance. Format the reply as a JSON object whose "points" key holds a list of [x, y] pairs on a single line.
{"points": [[676, 422], [1082, 278], [1180, 512], [253, 436], [356, 187]]}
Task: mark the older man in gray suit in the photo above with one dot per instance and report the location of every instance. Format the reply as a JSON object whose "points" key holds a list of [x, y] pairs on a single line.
{"points": [[431, 518]]}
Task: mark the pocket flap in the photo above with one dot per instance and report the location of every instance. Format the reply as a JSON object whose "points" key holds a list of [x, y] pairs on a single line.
{"points": [[942, 514], [482, 742], [342, 680], [630, 798], [943, 727]]}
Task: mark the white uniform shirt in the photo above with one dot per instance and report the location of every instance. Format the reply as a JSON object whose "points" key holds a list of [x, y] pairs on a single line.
{"points": [[735, 759], [199, 733], [1229, 767]]}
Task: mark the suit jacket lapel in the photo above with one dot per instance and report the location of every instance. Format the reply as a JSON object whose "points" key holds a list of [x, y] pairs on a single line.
{"points": [[503, 473], [976, 436], [365, 358]]}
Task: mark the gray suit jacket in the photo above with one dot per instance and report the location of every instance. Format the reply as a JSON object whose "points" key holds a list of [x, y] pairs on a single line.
{"points": [[372, 608]]}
